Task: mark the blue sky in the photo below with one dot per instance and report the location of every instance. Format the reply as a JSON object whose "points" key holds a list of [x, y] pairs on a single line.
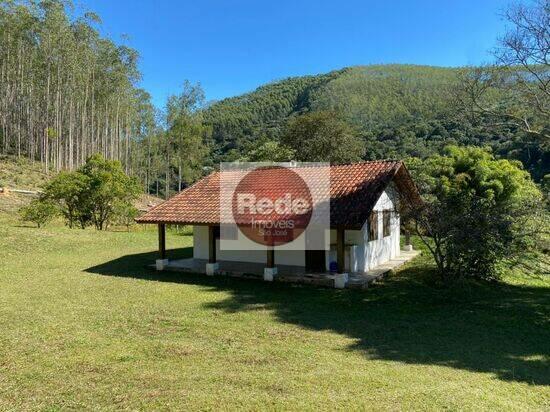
{"points": [[232, 47]]}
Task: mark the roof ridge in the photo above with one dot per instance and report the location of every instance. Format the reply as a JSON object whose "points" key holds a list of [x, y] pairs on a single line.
{"points": [[354, 189], [319, 164], [368, 162]]}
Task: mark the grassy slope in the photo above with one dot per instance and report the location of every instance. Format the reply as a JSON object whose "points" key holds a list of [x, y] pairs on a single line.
{"points": [[19, 174], [24, 174], [84, 324]]}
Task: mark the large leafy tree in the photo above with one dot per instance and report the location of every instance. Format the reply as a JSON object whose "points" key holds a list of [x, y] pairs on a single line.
{"points": [[70, 190], [323, 137], [109, 187], [477, 212], [94, 193]]}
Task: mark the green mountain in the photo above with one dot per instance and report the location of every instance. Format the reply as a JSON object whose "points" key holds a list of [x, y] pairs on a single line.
{"points": [[400, 110], [369, 97], [237, 121], [374, 96]]}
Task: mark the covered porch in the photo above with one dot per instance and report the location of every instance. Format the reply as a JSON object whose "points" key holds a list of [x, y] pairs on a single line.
{"points": [[272, 271], [291, 274]]}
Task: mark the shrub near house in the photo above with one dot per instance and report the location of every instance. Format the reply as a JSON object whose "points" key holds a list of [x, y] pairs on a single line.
{"points": [[478, 211], [39, 212]]}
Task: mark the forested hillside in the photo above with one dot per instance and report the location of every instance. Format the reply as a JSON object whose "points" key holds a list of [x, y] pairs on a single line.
{"points": [[400, 111], [367, 96], [237, 121], [65, 91]]}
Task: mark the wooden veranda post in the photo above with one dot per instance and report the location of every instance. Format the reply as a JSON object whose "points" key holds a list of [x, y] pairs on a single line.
{"points": [[211, 244], [270, 257], [340, 254], [162, 240]]}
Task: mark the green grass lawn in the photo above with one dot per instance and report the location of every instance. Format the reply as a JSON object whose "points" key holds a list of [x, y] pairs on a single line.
{"points": [[85, 325]]}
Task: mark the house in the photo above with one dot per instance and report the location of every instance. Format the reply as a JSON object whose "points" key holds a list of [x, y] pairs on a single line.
{"points": [[363, 233]]}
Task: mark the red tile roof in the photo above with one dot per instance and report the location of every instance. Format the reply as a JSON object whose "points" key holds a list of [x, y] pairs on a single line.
{"points": [[354, 190]]}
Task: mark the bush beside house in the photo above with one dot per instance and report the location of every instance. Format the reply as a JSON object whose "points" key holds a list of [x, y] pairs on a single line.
{"points": [[479, 212]]}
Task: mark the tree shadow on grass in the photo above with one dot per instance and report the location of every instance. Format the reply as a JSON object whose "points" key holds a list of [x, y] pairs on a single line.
{"points": [[490, 328]]}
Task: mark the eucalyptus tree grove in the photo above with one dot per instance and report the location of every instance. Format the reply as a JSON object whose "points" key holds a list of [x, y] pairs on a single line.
{"points": [[65, 91]]}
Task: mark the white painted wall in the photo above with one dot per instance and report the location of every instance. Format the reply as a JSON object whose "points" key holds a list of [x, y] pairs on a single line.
{"points": [[200, 242], [384, 248], [366, 254]]}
